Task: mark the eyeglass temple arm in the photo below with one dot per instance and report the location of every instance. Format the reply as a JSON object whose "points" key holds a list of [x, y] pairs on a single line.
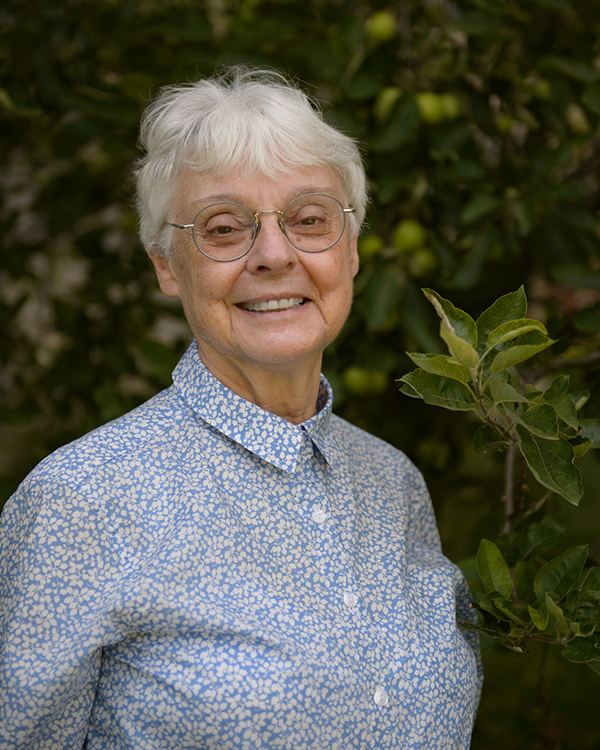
{"points": [[179, 226]]}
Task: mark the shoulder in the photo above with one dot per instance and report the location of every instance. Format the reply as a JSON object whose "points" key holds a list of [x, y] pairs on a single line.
{"points": [[109, 477], [370, 450], [148, 428]]}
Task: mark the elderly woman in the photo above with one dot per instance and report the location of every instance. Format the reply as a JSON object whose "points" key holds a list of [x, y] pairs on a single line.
{"points": [[230, 565]]}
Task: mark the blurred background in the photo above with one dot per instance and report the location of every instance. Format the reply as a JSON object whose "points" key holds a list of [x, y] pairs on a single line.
{"points": [[479, 124]]}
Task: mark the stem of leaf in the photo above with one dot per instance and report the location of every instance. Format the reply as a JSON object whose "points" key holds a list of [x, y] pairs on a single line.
{"points": [[509, 488]]}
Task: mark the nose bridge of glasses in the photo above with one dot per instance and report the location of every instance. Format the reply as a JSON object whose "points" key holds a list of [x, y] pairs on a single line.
{"points": [[280, 219]]}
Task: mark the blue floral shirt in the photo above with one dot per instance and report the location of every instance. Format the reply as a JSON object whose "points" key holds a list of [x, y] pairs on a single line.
{"points": [[201, 573]]}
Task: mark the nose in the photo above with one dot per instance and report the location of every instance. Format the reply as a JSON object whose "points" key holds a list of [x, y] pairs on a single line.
{"points": [[272, 251]]}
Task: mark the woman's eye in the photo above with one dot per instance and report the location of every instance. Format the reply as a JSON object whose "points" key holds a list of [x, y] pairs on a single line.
{"points": [[223, 229], [306, 218]]}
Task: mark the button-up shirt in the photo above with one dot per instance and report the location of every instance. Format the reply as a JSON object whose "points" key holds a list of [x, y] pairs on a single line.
{"points": [[201, 573]]}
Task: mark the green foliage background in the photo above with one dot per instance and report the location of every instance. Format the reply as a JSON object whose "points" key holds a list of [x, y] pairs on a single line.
{"points": [[497, 175]]}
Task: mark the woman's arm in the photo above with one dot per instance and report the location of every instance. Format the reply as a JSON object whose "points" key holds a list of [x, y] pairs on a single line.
{"points": [[58, 572]]}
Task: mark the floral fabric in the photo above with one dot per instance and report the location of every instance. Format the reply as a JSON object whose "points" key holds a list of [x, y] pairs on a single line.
{"points": [[201, 573]]}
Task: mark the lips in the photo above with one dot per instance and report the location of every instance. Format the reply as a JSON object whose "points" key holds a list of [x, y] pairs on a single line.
{"points": [[273, 305]]}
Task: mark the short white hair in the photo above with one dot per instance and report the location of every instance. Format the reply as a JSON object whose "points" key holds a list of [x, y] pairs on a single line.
{"points": [[255, 120]]}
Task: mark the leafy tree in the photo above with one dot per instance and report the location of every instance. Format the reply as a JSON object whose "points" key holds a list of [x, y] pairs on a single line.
{"points": [[479, 124], [555, 601]]}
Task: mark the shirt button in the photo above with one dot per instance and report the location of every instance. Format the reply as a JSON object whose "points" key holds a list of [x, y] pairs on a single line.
{"points": [[319, 515], [380, 697], [350, 599]]}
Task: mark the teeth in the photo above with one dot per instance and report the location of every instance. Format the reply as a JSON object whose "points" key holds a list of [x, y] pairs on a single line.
{"points": [[273, 304]]}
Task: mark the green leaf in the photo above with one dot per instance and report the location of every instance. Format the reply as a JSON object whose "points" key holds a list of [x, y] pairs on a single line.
{"points": [[506, 308], [460, 350], [582, 630], [438, 391], [558, 396], [551, 463], [583, 650], [581, 447], [559, 575], [478, 207], [487, 605], [502, 391], [441, 364], [557, 617], [584, 603], [510, 610], [487, 441], [493, 569], [512, 329], [541, 537], [541, 421], [516, 354], [539, 617], [456, 320]]}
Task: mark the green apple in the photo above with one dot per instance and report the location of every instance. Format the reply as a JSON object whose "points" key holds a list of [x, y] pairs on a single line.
{"points": [[357, 380], [504, 124], [430, 107], [369, 245], [360, 381], [542, 89], [385, 101], [577, 119], [422, 262], [381, 26], [409, 235], [451, 106]]}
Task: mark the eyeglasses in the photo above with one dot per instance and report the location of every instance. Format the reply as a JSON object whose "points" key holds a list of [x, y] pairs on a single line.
{"points": [[227, 231]]}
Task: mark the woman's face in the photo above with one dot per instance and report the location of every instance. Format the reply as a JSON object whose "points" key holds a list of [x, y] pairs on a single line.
{"points": [[220, 299]]}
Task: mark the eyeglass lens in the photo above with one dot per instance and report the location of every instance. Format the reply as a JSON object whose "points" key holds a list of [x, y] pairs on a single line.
{"points": [[226, 231]]}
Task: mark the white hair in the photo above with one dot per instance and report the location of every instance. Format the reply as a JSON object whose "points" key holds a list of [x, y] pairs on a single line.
{"points": [[254, 120]]}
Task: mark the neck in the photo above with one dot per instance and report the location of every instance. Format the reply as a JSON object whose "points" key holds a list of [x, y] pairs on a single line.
{"points": [[289, 391]]}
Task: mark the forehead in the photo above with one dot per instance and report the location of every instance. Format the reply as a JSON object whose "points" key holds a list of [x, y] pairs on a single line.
{"points": [[256, 190]]}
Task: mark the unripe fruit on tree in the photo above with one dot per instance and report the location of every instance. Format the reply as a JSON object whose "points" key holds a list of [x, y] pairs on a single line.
{"points": [[381, 26], [542, 89], [504, 124], [356, 379], [577, 119], [422, 262], [360, 381], [369, 245], [430, 107], [409, 235], [450, 106], [385, 101]]}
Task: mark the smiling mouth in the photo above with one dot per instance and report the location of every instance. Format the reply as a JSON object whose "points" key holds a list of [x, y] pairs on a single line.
{"points": [[273, 305]]}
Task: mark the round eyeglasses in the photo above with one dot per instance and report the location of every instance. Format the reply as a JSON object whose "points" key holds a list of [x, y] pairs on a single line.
{"points": [[227, 231]]}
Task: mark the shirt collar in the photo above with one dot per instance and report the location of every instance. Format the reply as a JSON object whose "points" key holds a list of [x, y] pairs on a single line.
{"points": [[268, 436]]}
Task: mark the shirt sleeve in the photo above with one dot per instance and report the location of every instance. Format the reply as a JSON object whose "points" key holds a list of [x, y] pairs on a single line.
{"points": [[423, 530], [57, 585]]}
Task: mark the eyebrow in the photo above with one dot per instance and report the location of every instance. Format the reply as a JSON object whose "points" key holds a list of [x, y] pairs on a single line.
{"points": [[238, 198]]}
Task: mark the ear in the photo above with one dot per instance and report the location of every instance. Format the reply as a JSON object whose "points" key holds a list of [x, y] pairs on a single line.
{"points": [[354, 260], [166, 275]]}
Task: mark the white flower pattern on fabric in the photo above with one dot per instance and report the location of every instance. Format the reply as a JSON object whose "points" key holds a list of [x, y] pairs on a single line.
{"points": [[202, 574]]}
